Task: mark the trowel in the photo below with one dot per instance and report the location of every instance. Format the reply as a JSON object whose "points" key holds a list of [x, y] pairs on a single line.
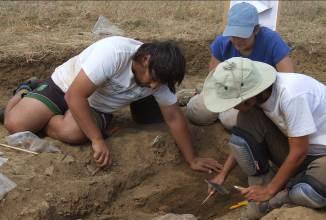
{"points": [[216, 188]]}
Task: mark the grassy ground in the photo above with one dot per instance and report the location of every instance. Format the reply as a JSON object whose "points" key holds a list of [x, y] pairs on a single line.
{"points": [[36, 36], [33, 29]]}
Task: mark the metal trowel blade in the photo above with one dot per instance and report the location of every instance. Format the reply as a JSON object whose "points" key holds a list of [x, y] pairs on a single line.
{"points": [[218, 188]]}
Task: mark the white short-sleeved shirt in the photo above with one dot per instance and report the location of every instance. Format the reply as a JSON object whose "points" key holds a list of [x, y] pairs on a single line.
{"points": [[298, 107], [107, 63]]}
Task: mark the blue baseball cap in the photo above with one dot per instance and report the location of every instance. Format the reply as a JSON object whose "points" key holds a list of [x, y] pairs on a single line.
{"points": [[242, 19]]}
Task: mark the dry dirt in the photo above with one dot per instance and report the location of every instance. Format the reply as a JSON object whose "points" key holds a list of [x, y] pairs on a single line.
{"points": [[145, 180]]}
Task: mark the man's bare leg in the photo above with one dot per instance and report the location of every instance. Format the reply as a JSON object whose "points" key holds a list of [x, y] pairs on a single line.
{"points": [[65, 129], [26, 114], [13, 101]]}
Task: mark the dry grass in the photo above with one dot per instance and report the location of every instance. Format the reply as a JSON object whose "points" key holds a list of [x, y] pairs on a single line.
{"points": [[35, 29], [303, 21]]}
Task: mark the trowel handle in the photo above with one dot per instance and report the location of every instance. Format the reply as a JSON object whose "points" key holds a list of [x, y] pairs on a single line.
{"points": [[239, 188]]}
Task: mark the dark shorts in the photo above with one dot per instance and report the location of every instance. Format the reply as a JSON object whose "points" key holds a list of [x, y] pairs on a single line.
{"points": [[53, 97], [50, 95], [146, 111]]}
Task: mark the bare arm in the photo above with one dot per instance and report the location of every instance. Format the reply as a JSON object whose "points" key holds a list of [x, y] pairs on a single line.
{"points": [[298, 151], [77, 100], [213, 63], [285, 65], [179, 130], [228, 166]]}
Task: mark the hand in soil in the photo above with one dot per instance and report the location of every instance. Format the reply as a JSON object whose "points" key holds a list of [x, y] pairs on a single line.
{"points": [[101, 154], [205, 164]]}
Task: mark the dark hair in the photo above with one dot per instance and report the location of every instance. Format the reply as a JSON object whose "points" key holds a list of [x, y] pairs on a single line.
{"points": [[166, 62], [264, 95], [257, 28]]}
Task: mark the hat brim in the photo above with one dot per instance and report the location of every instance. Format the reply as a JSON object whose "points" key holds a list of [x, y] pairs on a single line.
{"points": [[215, 103], [238, 31]]}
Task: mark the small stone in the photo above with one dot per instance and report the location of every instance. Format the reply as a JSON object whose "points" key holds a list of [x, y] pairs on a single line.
{"points": [[49, 170], [156, 140], [90, 168], [105, 217], [49, 196], [96, 204], [140, 202], [199, 88], [164, 208], [63, 199], [45, 204], [69, 159], [184, 95], [93, 170], [171, 216], [93, 182]]}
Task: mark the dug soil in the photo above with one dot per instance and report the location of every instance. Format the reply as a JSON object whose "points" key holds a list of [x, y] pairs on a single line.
{"points": [[148, 177]]}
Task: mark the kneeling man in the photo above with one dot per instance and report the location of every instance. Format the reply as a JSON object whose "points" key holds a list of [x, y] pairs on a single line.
{"points": [[76, 103], [282, 122]]}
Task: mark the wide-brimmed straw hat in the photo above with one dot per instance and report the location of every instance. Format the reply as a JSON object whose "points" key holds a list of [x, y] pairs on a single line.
{"points": [[234, 81]]}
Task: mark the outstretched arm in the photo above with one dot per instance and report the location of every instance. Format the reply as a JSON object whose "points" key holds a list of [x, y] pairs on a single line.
{"points": [[77, 100], [285, 65], [298, 151], [179, 130], [213, 63], [229, 164]]}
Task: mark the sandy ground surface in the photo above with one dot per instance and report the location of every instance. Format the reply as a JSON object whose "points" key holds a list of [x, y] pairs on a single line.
{"points": [[145, 180]]}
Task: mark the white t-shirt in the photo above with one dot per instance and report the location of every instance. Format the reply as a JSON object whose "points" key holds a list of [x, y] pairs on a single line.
{"points": [[298, 107], [107, 63]]}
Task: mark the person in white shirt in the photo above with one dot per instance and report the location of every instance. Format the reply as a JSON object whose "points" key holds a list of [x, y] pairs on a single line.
{"points": [[282, 119], [76, 103]]}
